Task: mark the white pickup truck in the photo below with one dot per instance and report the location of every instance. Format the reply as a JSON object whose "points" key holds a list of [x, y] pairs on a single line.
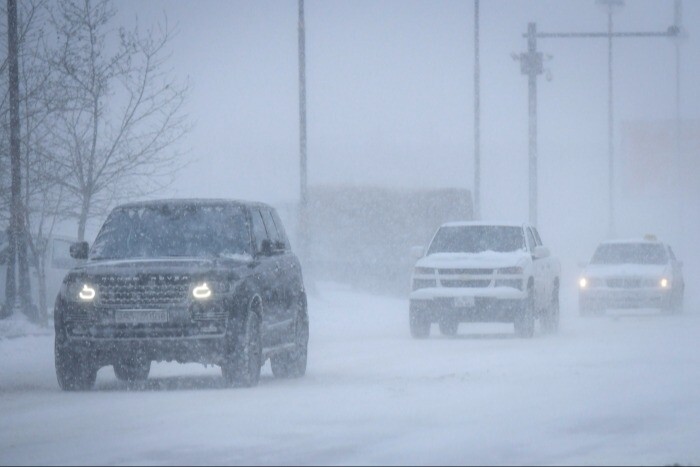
{"points": [[485, 272]]}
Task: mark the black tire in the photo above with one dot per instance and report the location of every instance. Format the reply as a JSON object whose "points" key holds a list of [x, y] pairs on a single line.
{"points": [[550, 318], [675, 303], [420, 325], [74, 372], [243, 359], [448, 326], [132, 369], [292, 364], [524, 323]]}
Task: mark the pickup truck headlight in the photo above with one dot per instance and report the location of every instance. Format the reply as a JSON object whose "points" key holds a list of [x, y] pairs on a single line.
{"points": [[514, 282], [664, 283]]}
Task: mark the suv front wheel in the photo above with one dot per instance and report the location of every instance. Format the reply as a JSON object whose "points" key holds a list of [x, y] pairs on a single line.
{"points": [[74, 371], [243, 358]]}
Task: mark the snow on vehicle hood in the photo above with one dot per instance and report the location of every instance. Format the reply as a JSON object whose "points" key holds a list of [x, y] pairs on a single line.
{"points": [[484, 259], [625, 270]]}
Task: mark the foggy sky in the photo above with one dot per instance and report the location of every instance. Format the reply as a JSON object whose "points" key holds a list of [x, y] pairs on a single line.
{"points": [[390, 102]]}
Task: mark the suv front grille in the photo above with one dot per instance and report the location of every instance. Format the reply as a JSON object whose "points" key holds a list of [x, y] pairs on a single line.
{"points": [[143, 290]]}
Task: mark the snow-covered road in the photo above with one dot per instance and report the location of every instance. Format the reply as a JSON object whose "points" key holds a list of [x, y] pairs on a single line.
{"points": [[623, 390]]}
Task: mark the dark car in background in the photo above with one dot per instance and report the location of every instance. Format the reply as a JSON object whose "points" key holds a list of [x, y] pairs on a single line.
{"points": [[209, 281]]}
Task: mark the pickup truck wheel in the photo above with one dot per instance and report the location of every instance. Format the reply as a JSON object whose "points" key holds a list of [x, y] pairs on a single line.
{"points": [[74, 371], [243, 359], [525, 319], [449, 326], [132, 369], [292, 364], [550, 319], [420, 325]]}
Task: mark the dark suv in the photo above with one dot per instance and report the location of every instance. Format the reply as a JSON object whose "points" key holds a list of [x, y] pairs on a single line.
{"points": [[209, 281]]}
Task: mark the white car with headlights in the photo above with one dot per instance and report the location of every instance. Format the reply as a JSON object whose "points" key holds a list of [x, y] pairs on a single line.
{"points": [[485, 272], [635, 273]]}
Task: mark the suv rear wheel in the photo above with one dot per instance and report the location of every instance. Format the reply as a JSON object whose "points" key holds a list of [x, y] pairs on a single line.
{"points": [[132, 369], [243, 359], [292, 364]]}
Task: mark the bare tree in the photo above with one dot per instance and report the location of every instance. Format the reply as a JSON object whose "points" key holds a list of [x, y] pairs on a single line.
{"points": [[40, 98], [116, 136]]}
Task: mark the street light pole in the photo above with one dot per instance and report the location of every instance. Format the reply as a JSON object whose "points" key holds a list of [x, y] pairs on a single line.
{"points": [[303, 189], [611, 129], [477, 116]]}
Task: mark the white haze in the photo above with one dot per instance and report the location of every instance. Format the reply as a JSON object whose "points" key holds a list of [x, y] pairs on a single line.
{"points": [[390, 103]]}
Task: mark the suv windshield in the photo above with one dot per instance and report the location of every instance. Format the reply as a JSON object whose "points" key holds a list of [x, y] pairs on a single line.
{"points": [[167, 230], [475, 239], [630, 253]]}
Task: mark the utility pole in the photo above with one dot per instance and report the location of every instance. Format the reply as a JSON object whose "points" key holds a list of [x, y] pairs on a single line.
{"points": [[531, 65], [678, 162], [610, 5], [477, 117]]}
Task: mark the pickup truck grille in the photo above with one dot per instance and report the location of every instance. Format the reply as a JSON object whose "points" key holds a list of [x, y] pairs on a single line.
{"points": [[143, 290], [471, 272], [469, 278]]}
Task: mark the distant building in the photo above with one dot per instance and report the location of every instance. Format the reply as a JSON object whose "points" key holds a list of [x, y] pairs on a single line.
{"points": [[363, 235]]}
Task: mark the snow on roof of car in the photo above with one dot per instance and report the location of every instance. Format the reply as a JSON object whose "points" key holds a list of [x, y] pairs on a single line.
{"points": [[630, 240], [481, 224]]}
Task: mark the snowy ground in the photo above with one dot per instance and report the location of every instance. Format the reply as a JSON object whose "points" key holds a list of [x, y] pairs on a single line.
{"points": [[617, 390]]}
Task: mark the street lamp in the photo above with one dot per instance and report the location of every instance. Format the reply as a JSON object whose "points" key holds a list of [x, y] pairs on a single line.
{"points": [[611, 6]]}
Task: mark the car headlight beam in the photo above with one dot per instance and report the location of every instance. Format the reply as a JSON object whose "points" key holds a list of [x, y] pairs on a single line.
{"points": [[664, 283], [201, 292], [87, 293], [583, 282]]}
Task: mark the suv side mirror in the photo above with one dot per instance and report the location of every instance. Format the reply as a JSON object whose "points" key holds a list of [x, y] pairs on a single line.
{"points": [[540, 252], [417, 252], [79, 250]]}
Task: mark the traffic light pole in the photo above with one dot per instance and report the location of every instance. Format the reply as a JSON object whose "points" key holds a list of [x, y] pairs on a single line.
{"points": [[531, 64]]}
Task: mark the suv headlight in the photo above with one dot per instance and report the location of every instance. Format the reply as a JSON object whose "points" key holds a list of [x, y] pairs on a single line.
{"points": [[80, 291], [206, 289]]}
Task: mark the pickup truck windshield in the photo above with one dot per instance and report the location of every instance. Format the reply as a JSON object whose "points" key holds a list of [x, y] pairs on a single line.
{"points": [[475, 239], [630, 253], [161, 231]]}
